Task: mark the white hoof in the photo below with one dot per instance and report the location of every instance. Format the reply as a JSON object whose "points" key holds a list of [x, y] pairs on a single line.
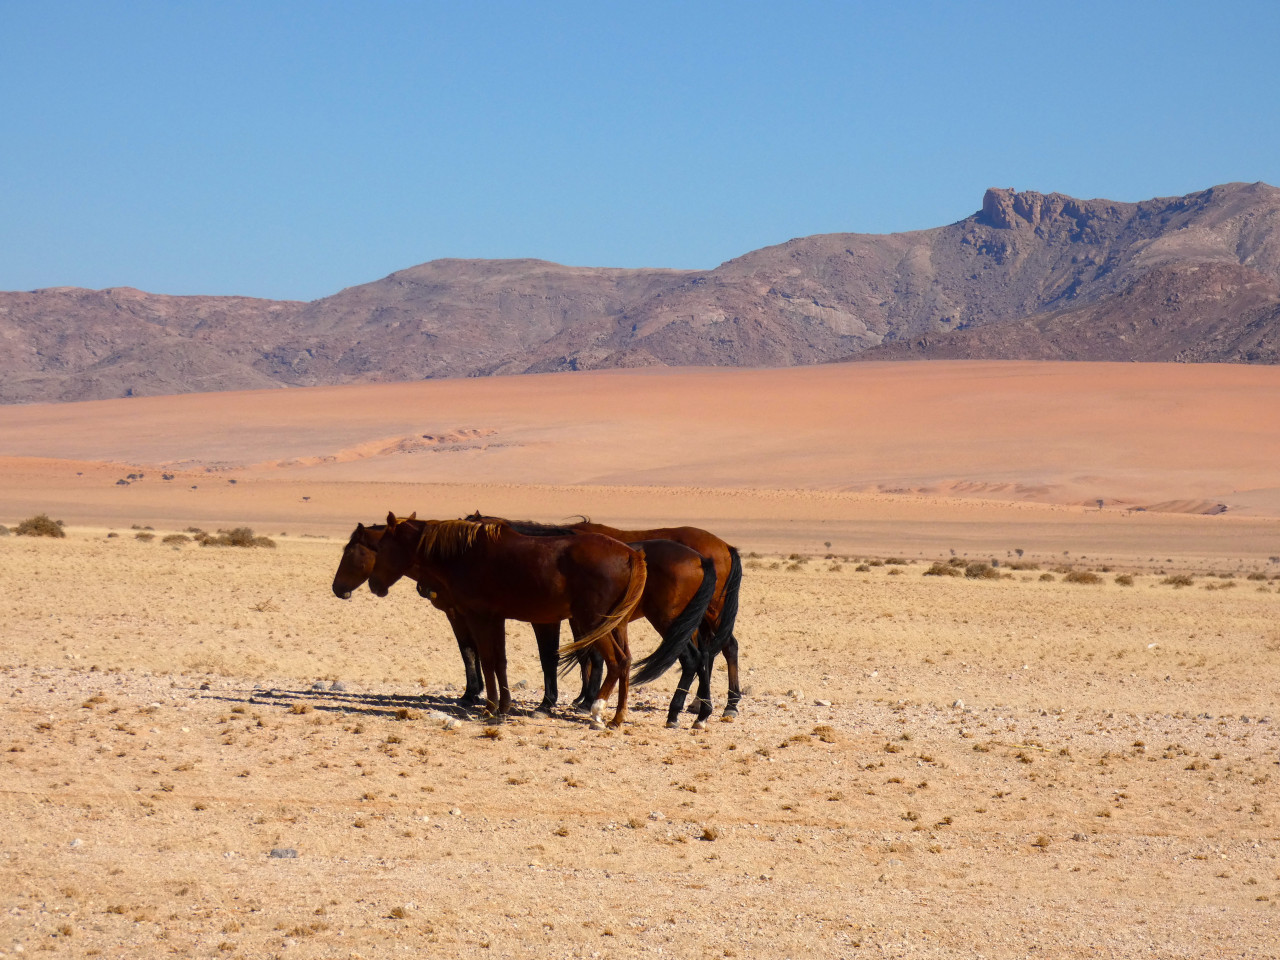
{"points": [[699, 724], [671, 724]]}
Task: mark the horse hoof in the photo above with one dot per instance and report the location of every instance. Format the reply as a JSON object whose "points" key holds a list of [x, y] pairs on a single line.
{"points": [[597, 723], [729, 716], [671, 724], [699, 724]]}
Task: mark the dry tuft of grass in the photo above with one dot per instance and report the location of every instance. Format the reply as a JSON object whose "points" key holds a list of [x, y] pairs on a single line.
{"points": [[40, 526], [981, 571], [1178, 580], [235, 537], [939, 569], [1081, 576]]}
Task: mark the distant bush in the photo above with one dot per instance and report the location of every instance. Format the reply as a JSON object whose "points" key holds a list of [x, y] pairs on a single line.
{"points": [[895, 561], [1178, 580], [144, 536], [942, 570], [1048, 577], [176, 538], [981, 571], [40, 526], [1024, 565], [4, 532], [1125, 580], [1081, 576], [235, 537]]}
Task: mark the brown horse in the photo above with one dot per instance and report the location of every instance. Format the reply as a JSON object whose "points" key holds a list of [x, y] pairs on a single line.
{"points": [[488, 573], [715, 635], [680, 586], [677, 589], [358, 557]]}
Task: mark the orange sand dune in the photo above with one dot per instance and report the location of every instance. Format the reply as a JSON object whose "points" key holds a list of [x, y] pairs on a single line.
{"points": [[760, 448]]}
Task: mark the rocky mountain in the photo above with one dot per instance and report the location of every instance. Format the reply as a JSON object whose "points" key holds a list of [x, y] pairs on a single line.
{"points": [[1030, 275]]}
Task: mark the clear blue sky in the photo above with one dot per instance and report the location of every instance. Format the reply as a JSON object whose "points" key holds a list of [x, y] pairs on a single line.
{"points": [[289, 149]]}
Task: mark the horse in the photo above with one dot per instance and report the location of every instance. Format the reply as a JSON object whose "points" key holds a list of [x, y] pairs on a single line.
{"points": [[488, 573], [678, 587], [715, 634]]}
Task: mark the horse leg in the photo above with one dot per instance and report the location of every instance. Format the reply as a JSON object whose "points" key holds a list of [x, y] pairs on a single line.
{"points": [[617, 671], [490, 638], [548, 637], [706, 657], [592, 665], [470, 659], [730, 652], [688, 667], [706, 633]]}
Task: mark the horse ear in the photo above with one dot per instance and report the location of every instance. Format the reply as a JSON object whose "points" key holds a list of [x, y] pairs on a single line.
{"points": [[359, 527], [414, 515], [391, 518]]}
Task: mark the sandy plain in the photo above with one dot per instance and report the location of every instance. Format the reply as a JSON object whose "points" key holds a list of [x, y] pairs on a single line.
{"points": [[924, 766]]}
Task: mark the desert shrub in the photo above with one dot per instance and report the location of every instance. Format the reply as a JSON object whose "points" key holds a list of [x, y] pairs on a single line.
{"points": [[981, 571], [942, 570], [1081, 576], [958, 561], [4, 532], [862, 568], [144, 536], [1178, 580], [176, 538], [1024, 565], [235, 537], [1256, 576], [1048, 577], [1125, 580], [40, 526], [895, 561]]}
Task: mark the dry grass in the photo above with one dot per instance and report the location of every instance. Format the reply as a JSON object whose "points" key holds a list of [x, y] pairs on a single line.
{"points": [[950, 741], [40, 526]]}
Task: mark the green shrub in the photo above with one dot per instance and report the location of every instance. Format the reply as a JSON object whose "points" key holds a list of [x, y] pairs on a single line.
{"points": [[40, 526]]}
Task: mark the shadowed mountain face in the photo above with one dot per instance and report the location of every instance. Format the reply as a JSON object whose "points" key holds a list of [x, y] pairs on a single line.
{"points": [[1029, 276]]}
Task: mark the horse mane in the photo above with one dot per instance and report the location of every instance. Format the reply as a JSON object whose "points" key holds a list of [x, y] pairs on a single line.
{"points": [[443, 539], [355, 534], [527, 528]]}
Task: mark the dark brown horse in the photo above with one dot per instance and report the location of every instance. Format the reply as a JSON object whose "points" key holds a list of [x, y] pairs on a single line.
{"points": [[489, 573], [677, 589], [715, 635], [680, 586]]}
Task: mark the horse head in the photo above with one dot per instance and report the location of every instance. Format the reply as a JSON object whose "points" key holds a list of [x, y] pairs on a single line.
{"points": [[395, 552], [358, 557]]}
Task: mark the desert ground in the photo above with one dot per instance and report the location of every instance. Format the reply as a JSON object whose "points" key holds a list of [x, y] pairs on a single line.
{"points": [[206, 753]]}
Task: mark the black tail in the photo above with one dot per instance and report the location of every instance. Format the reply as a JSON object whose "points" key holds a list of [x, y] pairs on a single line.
{"points": [[729, 611], [681, 630]]}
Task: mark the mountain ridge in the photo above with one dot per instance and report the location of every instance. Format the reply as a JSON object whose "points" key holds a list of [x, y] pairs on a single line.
{"points": [[1029, 275]]}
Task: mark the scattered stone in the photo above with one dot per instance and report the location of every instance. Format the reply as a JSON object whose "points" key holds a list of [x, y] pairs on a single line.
{"points": [[1080, 837], [76, 842], [455, 812], [337, 687], [656, 815], [318, 686], [959, 704], [284, 853], [204, 686], [822, 703], [796, 694]]}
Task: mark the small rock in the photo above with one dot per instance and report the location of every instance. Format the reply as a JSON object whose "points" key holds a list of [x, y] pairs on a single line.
{"points": [[451, 723], [337, 687], [822, 703], [318, 685], [959, 704], [796, 694], [1080, 837], [656, 815], [284, 853], [76, 842], [204, 686], [455, 812], [520, 684]]}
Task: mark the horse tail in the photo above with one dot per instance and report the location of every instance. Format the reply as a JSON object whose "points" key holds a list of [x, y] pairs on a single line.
{"points": [[620, 614], [681, 630], [729, 610]]}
